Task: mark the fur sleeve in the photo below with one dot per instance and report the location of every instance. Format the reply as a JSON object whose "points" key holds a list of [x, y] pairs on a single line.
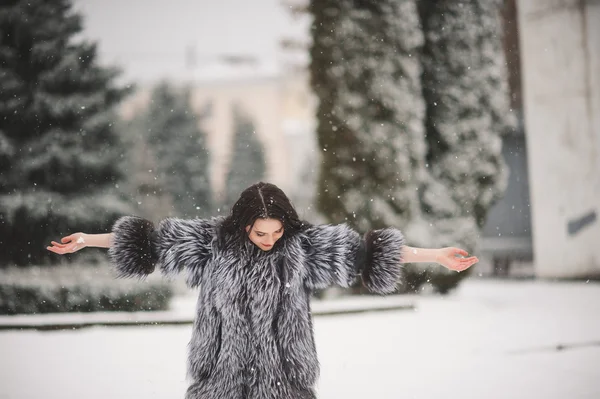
{"points": [[175, 245], [185, 244], [337, 255], [383, 260], [132, 247], [333, 256]]}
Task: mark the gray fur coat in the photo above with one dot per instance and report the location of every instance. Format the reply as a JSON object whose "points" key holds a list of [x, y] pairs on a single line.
{"points": [[253, 332]]}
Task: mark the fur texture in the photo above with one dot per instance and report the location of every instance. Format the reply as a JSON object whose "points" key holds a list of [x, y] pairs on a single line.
{"points": [[383, 255], [253, 333], [132, 249], [331, 254]]}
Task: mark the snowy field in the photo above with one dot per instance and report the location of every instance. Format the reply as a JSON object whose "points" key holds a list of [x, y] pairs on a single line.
{"points": [[490, 339]]}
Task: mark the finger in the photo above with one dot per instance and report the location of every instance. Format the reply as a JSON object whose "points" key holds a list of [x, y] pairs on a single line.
{"points": [[59, 251], [65, 250], [57, 244], [456, 266], [464, 264], [469, 264], [469, 259], [66, 239], [458, 251], [462, 268]]}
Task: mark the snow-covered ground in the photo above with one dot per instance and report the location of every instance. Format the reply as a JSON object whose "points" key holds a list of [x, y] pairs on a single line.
{"points": [[490, 339]]}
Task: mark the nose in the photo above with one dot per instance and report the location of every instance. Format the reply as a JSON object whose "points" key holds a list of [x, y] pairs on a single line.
{"points": [[269, 240]]}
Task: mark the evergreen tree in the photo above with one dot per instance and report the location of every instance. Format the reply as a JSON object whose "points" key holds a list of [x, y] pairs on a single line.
{"points": [[247, 165], [143, 183], [59, 152], [365, 71], [387, 161], [182, 158], [465, 88]]}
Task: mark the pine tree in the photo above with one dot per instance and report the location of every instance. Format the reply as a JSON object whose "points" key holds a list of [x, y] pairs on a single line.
{"points": [[466, 90], [143, 183], [59, 151], [365, 70], [466, 93], [247, 165], [182, 158]]}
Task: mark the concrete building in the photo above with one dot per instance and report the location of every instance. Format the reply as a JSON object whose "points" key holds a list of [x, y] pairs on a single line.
{"points": [[507, 244], [560, 53]]}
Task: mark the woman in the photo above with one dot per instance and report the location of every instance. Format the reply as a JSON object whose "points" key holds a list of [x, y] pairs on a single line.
{"points": [[253, 333]]}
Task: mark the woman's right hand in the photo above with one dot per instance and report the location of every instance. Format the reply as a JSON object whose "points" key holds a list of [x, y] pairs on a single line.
{"points": [[70, 244]]}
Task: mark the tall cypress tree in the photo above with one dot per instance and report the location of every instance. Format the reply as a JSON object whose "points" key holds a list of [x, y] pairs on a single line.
{"points": [[182, 158], [59, 152], [143, 183], [465, 88], [247, 164], [365, 71], [386, 161]]}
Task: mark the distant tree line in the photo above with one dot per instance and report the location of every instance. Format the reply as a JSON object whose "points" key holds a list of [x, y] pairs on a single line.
{"points": [[170, 166]]}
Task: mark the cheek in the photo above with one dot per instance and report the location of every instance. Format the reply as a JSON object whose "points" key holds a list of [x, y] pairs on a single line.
{"points": [[254, 238]]}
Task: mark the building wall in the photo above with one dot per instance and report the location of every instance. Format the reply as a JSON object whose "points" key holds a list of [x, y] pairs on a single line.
{"points": [[560, 43], [507, 232], [261, 100], [299, 131], [281, 108], [506, 236]]}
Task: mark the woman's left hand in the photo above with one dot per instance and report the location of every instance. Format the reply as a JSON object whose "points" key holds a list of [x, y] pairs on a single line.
{"points": [[455, 259]]}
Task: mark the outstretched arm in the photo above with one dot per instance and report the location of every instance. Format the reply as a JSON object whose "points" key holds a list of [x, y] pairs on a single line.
{"points": [[136, 246], [450, 257], [77, 241], [337, 255]]}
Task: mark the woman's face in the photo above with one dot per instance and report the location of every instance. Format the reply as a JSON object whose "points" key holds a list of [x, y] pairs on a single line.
{"points": [[265, 233]]}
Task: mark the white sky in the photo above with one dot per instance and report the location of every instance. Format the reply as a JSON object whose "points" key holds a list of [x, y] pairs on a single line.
{"points": [[149, 38]]}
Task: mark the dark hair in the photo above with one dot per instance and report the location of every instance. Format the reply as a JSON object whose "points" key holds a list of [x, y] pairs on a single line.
{"points": [[264, 201]]}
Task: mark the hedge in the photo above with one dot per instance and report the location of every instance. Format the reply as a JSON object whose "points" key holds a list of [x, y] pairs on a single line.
{"points": [[77, 289]]}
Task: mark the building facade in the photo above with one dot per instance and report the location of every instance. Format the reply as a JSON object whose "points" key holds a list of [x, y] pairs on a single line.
{"points": [[560, 52]]}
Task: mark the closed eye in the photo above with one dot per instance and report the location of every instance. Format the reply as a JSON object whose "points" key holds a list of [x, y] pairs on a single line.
{"points": [[262, 234]]}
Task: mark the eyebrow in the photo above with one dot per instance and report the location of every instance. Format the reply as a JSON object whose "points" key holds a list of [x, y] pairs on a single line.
{"points": [[262, 232]]}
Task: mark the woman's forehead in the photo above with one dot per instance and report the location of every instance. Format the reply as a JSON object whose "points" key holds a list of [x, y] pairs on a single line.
{"points": [[267, 225]]}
